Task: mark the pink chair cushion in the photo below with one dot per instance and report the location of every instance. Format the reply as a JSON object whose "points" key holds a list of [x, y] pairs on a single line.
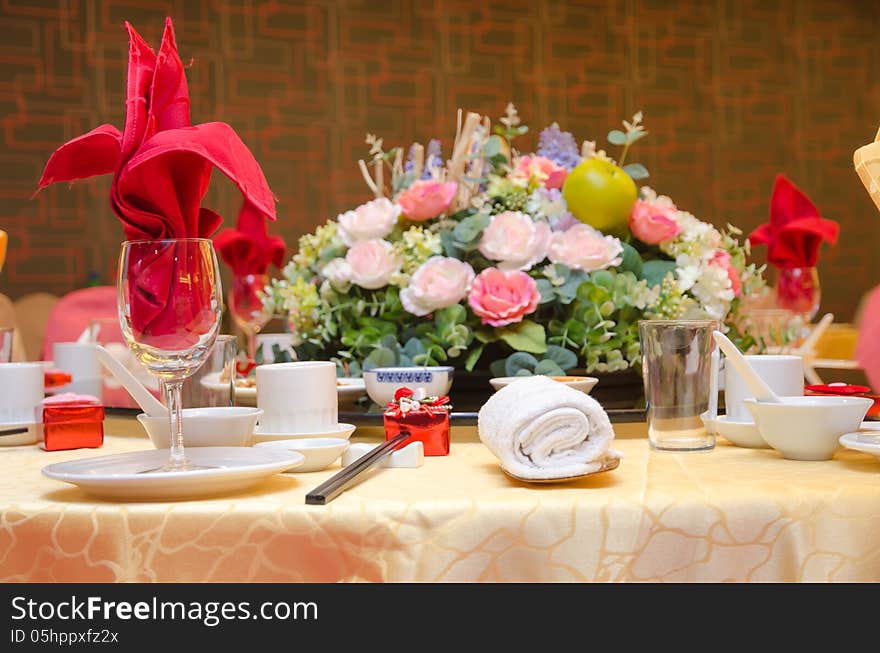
{"points": [[73, 313], [868, 345]]}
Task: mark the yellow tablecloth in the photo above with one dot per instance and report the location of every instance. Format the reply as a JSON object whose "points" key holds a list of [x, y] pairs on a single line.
{"points": [[727, 515]]}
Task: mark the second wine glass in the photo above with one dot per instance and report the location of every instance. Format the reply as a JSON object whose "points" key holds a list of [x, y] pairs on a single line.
{"points": [[170, 303], [247, 309]]}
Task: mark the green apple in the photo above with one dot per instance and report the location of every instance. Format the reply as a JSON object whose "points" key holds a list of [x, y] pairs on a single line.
{"points": [[601, 195]]}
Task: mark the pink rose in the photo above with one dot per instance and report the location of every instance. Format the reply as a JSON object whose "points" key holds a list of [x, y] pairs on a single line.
{"points": [[722, 259], [515, 240], [426, 199], [583, 248], [654, 222], [437, 283], [502, 297], [539, 171], [372, 263], [375, 219]]}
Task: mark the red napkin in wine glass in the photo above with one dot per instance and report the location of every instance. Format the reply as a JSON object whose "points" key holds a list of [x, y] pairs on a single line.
{"points": [[796, 230], [161, 166], [249, 249]]}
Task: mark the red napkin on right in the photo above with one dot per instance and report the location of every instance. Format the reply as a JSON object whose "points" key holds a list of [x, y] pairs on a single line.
{"points": [[161, 168], [796, 230], [249, 249]]}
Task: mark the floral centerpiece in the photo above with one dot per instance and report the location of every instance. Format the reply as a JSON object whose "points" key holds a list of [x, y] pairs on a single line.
{"points": [[546, 261]]}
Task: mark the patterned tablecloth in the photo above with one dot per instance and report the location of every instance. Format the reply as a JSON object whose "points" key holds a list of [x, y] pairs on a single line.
{"points": [[727, 515]]}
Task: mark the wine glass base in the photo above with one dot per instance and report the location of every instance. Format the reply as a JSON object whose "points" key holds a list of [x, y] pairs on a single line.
{"points": [[185, 467]]}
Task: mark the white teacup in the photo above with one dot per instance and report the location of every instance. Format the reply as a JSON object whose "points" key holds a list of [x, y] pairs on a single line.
{"points": [[297, 397], [21, 391], [784, 375], [79, 359]]}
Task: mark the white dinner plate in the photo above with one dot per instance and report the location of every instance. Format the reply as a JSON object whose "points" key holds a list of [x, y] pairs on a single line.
{"points": [[865, 441], [120, 476], [338, 431], [347, 389]]}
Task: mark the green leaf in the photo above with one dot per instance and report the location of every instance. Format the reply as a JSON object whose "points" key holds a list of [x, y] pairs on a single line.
{"points": [[496, 368], [468, 230], [524, 372], [493, 146], [473, 357], [632, 260], [486, 335], [548, 367], [380, 357], [450, 248], [519, 361], [561, 356], [568, 291], [548, 293], [616, 137], [525, 336], [654, 271], [636, 171], [450, 316], [413, 347]]}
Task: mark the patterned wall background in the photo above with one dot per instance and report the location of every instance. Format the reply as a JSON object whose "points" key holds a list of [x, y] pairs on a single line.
{"points": [[733, 91]]}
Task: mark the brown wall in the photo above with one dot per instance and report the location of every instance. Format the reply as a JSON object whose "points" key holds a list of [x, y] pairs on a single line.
{"points": [[733, 92]]}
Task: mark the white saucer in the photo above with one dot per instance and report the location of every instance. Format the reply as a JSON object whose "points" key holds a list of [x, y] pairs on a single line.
{"points": [[120, 477], [339, 431], [742, 434], [865, 441], [30, 436]]}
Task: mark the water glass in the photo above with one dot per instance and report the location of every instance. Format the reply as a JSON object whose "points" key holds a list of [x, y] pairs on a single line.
{"points": [[213, 384], [680, 372]]}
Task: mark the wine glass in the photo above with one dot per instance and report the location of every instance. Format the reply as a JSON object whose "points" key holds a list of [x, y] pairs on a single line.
{"points": [[247, 309], [170, 303]]}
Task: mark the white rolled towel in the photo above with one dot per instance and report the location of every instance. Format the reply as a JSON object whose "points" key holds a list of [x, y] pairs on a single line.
{"points": [[542, 429]]}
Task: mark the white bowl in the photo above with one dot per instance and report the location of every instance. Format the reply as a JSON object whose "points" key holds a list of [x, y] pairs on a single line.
{"points": [[319, 453], [742, 434], [582, 383], [220, 426], [382, 382], [808, 428]]}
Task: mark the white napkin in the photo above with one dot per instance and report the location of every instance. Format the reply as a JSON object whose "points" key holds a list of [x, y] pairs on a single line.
{"points": [[542, 429]]}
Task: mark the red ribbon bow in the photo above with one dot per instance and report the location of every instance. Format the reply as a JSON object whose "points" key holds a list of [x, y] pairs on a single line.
{"points": [[796, 230]]}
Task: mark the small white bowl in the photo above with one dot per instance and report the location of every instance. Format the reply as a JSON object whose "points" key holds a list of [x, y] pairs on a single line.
{"points": [[220, 426], [582, 383], [741, 434], [319, 453], [382, 382], [808, 428]]}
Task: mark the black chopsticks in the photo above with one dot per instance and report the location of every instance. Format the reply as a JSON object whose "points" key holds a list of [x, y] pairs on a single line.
{"points": [[339, 482], [15, 431]]}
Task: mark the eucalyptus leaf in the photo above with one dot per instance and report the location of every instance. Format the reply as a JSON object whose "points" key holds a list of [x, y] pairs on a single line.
{"points": [[380, 357], [413, 347], [548, 292], [654, 271], [524, 372], [468, 230], [636, 171], [632, 260], [497, 368], [519, 361], [561, 356], [616, 137], [450, 248], [548, 367]]}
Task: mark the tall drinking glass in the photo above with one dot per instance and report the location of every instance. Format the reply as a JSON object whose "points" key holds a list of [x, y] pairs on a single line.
{"points": [[680, 371], [170, 303], [246, 307]]}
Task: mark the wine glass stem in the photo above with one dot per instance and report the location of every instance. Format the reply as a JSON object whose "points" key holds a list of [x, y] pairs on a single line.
{"points": [[251, 344], [175, 418]]}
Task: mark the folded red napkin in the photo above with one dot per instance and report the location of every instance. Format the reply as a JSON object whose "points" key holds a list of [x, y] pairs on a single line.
{"points": [[161, 168], [796, 230], [249, 249]]}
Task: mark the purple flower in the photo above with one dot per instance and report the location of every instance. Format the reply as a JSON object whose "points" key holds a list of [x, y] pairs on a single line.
{"points": [[559, 146], [432, 158]]}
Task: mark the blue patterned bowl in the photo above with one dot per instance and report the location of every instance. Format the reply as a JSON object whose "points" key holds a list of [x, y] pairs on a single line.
{"points": [[382, 382]]}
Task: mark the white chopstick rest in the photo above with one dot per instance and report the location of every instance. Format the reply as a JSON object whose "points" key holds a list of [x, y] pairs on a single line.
{"points": [[412, 455]]}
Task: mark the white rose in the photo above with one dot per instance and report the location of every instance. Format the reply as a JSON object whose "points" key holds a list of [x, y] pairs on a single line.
{"points": [[437, 283], [515, 240], [338, 273], [375, 219], [372, 263]]}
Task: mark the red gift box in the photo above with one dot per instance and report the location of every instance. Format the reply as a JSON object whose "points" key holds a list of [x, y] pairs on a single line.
{"points": [[426, 419], [72, 421]]}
